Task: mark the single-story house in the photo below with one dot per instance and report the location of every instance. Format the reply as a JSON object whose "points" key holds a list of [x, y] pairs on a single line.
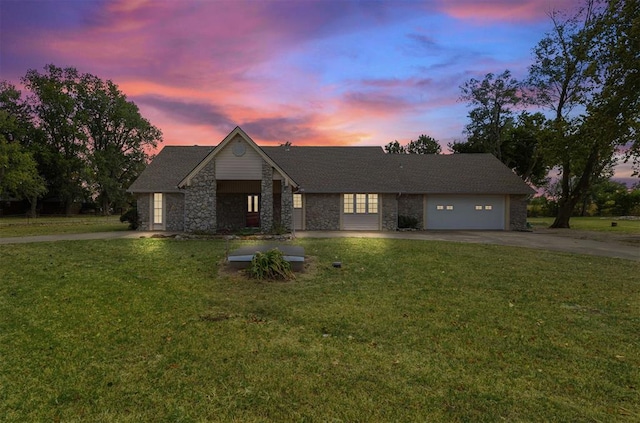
{"points": [[238, 184]]}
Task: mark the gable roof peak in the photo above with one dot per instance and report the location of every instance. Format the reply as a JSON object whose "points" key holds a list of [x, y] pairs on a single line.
{"points": [[237, 131]]}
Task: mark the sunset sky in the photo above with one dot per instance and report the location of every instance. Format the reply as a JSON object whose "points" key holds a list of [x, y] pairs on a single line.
{"points": [[308, 72]]}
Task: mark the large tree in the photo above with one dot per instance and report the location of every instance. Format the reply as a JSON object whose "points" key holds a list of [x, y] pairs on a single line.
{"points": [[19, 177], [117, 138], [18, 170], [91, 142], [495, 128], [61, 154], [585, 71], [493, 100]]}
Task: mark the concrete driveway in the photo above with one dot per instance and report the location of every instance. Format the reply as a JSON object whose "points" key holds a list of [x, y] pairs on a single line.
{"points": [[564, 240]]}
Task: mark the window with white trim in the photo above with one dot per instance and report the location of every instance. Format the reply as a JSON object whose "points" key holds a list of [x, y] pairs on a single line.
{"points": [[478, 207], [157, 207], [489, 207], [449, 207], [297, 201], [348, 203], [253, 203], [360, 203], [439, 207]]}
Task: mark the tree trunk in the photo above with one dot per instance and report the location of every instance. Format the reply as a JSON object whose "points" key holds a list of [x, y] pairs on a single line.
{"points": [[563, 216], [68, 205], [33, 204], [105, 206]]}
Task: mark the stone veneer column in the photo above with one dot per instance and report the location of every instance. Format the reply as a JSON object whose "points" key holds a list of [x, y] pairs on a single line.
{"points": [[266, 198], [286, 206], [200, 201], [389, 212], [518, 213], [143, 206]]}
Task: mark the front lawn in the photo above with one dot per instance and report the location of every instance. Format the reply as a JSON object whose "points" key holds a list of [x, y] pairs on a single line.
{"points": [[152, 330], [22, 226], [600, 224]]}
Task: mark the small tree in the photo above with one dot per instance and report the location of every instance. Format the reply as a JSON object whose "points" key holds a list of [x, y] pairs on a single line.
{"points": [[423, 145]]}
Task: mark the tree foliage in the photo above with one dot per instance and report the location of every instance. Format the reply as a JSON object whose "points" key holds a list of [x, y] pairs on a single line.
{"points": [[116, 138], [492, 101], [19, 176], [495, 128], [18, 170], [423, 145], [585, 71], [88, 140]]}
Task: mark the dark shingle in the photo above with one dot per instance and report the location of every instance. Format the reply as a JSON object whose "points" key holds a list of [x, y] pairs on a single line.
{"points": [[354, 169], [168, 168]]}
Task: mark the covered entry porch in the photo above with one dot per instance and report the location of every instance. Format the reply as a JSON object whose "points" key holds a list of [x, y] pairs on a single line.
{"points": [[241, 204]]}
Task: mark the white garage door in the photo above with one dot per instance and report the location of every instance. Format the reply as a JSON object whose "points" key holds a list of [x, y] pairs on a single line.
{"points": [[484, 212]]}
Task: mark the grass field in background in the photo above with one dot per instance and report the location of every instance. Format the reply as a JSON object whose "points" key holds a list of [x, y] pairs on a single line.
{"points": [[600, 224], [152, 330], [22, 226]]}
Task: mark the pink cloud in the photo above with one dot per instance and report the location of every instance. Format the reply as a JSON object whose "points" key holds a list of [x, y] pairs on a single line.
{"points": [[505, 10]]}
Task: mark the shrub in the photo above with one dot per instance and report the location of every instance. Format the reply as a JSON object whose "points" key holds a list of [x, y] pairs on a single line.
{"points": [[270, 265], [132, 217], [407, 222]]}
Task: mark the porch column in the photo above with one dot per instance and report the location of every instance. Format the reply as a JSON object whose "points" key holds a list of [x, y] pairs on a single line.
{"points": [[266, 198], [286, 206], [200, 201]]}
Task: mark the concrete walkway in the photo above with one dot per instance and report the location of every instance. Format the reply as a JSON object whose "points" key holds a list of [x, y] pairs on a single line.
{"points": [[568, 241]]}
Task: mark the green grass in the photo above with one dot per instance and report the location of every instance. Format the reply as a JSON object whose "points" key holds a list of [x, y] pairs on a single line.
{"points": [[21, 226], [151, 330], [600, 224]]}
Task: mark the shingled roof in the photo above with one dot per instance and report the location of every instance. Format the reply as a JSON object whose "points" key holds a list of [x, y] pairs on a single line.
{"points": [[353, 169], [168, 168]]}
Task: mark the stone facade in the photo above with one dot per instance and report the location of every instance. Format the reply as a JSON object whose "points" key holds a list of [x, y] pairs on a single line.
{"points": [[200, 201], [266, 198], [389, 212], [518, 212], [230, 210], [174, 209], [143, 204], [412, 205], [286, 206], [322, 212]]}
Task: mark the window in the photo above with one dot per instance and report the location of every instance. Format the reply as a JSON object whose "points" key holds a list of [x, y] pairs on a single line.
{"points": [[253, 203], [297, 201], [157, 207], [360, 203], [449, 207], [478, 207], [372, 204], [348, 203], [439, 207], [488, 207]]}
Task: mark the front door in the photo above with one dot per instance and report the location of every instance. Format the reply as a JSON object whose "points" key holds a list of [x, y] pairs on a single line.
{"points": [[253, 211]]}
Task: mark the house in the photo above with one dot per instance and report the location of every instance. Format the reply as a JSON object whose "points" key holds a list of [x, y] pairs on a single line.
{"points": [[238, 184]]}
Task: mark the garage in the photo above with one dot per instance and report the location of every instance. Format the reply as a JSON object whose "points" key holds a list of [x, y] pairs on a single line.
{"points": [[476, 212]]}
